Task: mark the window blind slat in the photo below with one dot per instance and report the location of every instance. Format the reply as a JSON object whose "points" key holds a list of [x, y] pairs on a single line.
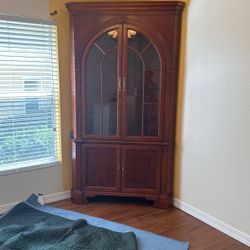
{"points": [[29, 94]]}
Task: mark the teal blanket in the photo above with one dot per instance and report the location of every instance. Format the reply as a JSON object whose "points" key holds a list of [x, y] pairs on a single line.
{"points": [[26, 227]]}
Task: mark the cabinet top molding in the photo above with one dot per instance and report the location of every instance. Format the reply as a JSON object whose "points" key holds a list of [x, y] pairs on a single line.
{"points": [[148, 6]]}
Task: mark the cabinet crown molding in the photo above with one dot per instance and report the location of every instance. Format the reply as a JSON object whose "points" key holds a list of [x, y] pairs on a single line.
{"points": [[131, 7]]}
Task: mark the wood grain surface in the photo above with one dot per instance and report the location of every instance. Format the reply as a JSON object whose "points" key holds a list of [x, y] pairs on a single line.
{"points": [[172, 222]]}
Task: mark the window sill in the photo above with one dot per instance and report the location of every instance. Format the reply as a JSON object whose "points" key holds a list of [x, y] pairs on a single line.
{"points": [[14, 170]]}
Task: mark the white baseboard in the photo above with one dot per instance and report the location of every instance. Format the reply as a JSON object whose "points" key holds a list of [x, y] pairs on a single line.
{"points": [[47, 199], [210, 220], [57, 197]]}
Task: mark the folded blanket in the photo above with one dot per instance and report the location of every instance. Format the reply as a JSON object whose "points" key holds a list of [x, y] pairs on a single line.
{"points": [[26, 227]]}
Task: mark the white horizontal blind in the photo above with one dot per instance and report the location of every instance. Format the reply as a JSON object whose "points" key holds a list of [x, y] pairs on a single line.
{"points": [[29, 94]]}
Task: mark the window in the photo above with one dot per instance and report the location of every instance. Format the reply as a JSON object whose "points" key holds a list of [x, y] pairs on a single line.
{"points": [[29, 94]]}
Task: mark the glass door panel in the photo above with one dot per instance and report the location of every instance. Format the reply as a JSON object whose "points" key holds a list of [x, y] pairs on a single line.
{"points": [[109, 93], [134, 91], [93, 119], [143, 71], [101, 85], [150, 119]]}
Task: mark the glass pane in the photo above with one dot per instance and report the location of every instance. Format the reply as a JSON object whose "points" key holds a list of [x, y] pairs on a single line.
{"points": [[109, 77], [109, 125], [143, 86], [101, 85], [93, 119], [107, 41], [93, 86], [94, 58], [134, 93], [93, 74], [137, 41], [151, 89], [109, 93], [150, 121], [151, 58]]}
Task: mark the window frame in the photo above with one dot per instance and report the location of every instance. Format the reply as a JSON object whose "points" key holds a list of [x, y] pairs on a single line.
{"points": [[28, 165]]}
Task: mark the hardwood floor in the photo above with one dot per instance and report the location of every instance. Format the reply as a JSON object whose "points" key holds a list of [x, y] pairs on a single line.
{"points": [[171, 223]]}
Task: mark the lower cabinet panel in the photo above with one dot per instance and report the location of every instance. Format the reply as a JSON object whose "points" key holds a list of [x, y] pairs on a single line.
{"points": [[101, 167], [121, 169], [141, 169]]}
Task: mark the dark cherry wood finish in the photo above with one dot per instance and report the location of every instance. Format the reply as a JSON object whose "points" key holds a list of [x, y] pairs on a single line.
{"points": [[141, 169], [121, 164], [100, 167]]}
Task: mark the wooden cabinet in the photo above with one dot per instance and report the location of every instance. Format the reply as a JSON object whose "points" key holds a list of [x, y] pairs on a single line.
{"points": [[141, 169], [124, 88], [101, 167]]}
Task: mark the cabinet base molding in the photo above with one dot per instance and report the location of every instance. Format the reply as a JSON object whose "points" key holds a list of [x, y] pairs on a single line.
{"points": [[164, 202], [76, 197], [81, 197]]}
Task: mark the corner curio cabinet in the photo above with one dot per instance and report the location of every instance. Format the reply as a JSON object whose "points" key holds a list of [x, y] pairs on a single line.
{"points": [[124, 91]]}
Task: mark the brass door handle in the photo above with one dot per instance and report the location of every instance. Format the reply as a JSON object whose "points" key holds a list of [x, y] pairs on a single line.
{"points": [[118, 167], [124, 84], [119, 83]]}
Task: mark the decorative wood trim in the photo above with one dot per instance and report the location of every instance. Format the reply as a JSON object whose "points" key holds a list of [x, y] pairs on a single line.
{"points": [[80, 141], [132, 7], [152, 197], [57, 197], [212, 221]]}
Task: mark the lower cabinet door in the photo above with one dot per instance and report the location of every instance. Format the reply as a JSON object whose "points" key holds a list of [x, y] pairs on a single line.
{"points": [[101, 167], [141, 169]]}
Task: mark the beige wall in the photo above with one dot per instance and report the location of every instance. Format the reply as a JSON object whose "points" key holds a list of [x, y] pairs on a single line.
{"points": [[213, 140], [16, 187], [28, 8], [213, 137]]}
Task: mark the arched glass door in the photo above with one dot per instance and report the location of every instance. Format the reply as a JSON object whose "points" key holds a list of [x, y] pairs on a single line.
{"points": [[142, 85], [101, 76], [122, 85]]}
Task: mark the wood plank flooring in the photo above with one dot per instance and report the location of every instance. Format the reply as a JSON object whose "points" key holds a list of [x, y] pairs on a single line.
{"points": [[171, 223]]}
